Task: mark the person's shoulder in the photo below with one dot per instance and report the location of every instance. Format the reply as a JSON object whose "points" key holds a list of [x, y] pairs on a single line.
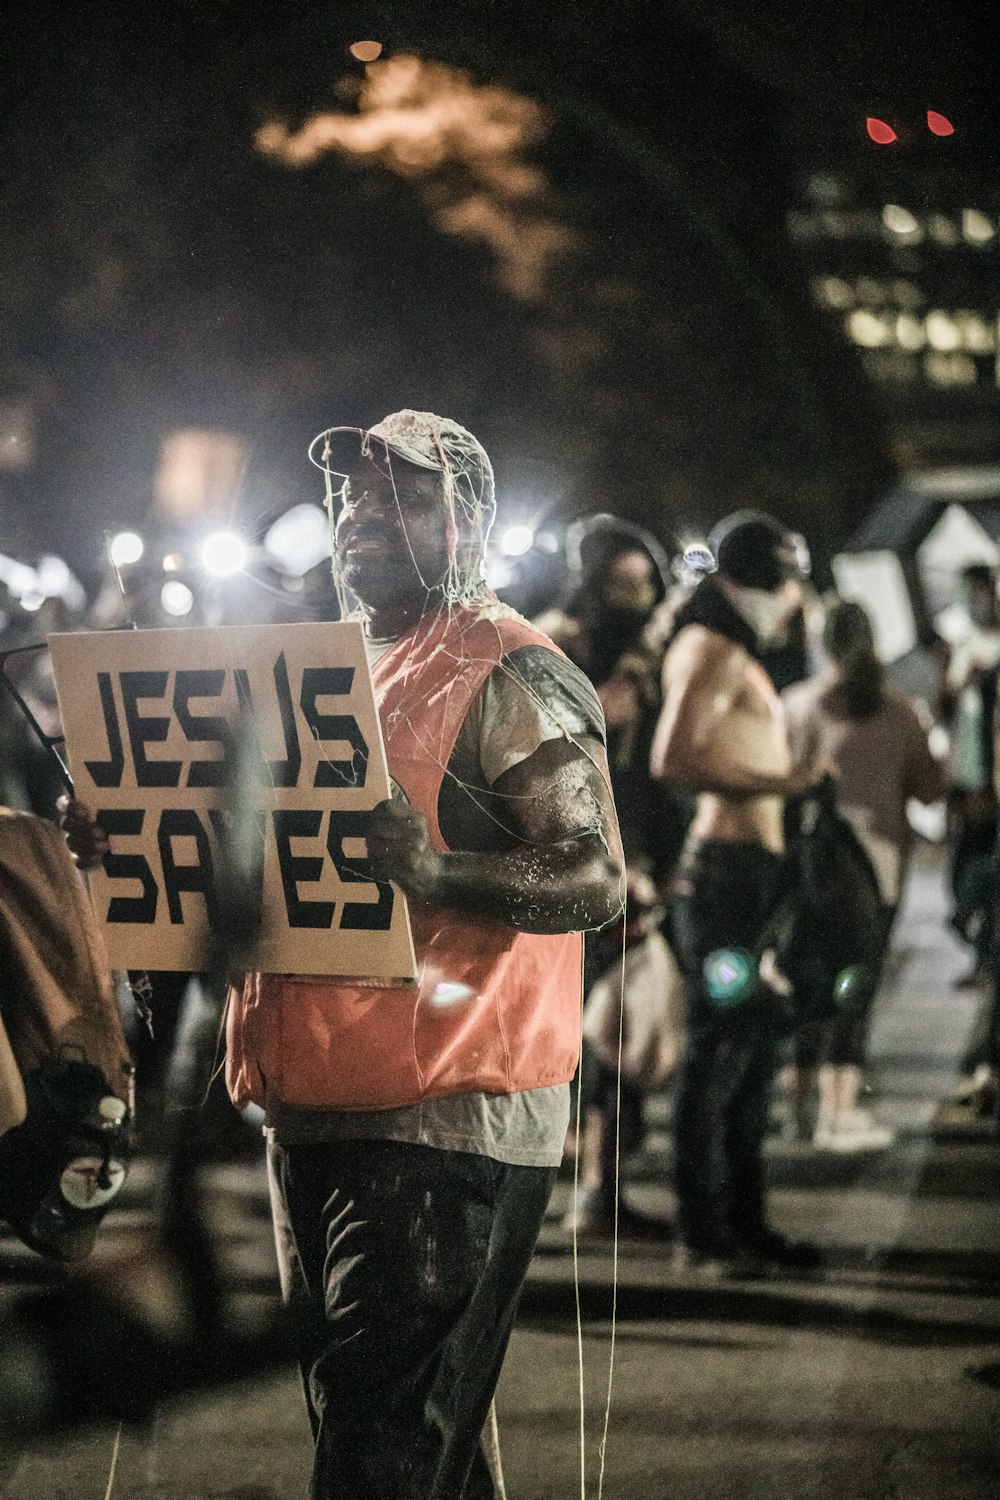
{"points": [[560, 689], [696, 646]]}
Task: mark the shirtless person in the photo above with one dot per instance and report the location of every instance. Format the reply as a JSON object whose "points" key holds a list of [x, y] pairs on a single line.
{"points": [[721, 736]]}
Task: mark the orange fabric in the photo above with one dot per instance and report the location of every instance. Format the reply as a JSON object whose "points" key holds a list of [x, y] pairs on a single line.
{"points": [[55, 985], [336, 1044]]}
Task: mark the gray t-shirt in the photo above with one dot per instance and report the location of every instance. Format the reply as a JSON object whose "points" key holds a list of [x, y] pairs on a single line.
{"points": [[532, 696]]}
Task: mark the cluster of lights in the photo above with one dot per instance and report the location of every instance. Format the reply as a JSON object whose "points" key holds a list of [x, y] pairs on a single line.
{"points": [[51, 579], [896, 224], [838, 294], [944, 332]]}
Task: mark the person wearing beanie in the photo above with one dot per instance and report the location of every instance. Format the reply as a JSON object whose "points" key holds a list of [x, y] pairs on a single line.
{"points": [[721, 737]]}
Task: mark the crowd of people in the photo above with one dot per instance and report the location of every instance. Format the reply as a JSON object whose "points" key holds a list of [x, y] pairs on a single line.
{"points": [[615, 790]]}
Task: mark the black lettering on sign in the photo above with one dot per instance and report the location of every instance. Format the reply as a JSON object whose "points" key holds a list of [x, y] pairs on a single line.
{"points": [[202, 729], [334, 682], [304, 823], [105, 773], [276, 772], [128, 820], [358, 916], [184, 822], [143, 731]]}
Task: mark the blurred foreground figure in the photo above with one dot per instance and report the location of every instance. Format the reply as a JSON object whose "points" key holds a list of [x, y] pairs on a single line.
{"points": [[65, 1070], [721, 736], [878, 753], [415, 1128]]}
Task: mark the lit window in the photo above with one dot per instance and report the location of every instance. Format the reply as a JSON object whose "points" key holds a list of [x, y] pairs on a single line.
{"points": [[950, 369], [868, 329], [907, 295], [976, 227], [943, 231], [831, 291], [942, 331], [910, 333], [869, 290], [977, 335], [900, 221]]}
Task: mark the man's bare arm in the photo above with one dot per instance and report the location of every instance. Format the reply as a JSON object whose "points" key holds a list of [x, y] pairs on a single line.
{"points": [[693, 747], [566, 872]]}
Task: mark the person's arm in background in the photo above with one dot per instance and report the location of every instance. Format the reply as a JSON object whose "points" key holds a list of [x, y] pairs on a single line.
{"points": [[924, 774]]}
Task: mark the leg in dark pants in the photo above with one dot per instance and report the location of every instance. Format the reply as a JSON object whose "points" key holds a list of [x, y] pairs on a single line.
{"points": [[413, 1258], [726, 893]]}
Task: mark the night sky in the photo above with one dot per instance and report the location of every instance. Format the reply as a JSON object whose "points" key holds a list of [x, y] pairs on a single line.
{"points": [[612, 306]]}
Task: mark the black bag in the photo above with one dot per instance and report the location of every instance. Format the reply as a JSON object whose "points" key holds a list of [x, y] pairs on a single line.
{"points": [[828, 933]]}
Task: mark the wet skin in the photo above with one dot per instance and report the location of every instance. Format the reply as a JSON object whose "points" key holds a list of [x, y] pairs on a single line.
{"points": [[566, 873]]}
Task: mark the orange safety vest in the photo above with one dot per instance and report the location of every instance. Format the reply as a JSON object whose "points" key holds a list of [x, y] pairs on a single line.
{"points": [[341, 1044]]}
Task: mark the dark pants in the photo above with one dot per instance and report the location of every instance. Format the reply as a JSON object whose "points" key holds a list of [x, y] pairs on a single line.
{"points": [[408, 1262], [725, 892]]}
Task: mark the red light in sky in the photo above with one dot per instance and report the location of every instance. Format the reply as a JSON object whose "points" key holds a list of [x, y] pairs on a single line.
{"points": [[939, 124], [881, 133]]}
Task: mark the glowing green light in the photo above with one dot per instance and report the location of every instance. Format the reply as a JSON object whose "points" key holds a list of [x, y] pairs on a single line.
{"points": [[851, 986], [730, 975]]}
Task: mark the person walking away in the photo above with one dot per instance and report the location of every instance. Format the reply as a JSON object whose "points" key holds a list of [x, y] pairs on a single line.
{"points": [[876, 747]]}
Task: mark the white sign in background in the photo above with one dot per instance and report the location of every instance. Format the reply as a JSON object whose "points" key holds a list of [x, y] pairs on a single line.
{"points": [[145, 715]]}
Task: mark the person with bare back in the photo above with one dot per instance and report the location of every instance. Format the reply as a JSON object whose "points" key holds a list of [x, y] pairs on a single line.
{"points": [[721, 736]]}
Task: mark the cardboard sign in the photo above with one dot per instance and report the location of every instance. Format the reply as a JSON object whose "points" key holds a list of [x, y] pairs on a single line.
{"points": [[147, 716]]}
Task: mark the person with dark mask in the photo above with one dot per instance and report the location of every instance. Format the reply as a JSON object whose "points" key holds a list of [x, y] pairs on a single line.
{"points": [[721, 737], [620, 579]]}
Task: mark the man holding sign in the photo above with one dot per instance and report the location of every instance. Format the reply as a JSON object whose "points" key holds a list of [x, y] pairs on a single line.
{"points": [[415, 1127]]}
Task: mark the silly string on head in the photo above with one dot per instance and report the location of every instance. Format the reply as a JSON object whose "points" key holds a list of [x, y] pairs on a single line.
{"points": [[467, 485]]}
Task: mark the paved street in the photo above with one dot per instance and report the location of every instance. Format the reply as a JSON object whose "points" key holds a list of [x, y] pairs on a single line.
{"points": [[868, 1380]]}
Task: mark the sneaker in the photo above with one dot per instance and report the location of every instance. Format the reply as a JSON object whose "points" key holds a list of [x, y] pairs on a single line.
{"points": [[854, 1130], [691, 1264]]}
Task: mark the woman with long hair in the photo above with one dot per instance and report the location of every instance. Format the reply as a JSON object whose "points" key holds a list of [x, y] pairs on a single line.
{"points": [[876, 746]]}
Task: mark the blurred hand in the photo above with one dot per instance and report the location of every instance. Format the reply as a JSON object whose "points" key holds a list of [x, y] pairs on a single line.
{"points": [[399, 847], [807, 777], [86, 839]]}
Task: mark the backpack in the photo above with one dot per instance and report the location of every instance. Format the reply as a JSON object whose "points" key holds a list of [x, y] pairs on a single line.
{"points": [[828, 931]]}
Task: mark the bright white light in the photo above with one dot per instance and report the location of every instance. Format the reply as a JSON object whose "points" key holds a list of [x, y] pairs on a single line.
{"points": [[223, 554], [173, 562], [176, 598], [32, 601], [910, 333], [900, 221], [517, 540], [299, 539], [127, 547], [977, 335], [976, 227], [866, 329], [942, 331]]}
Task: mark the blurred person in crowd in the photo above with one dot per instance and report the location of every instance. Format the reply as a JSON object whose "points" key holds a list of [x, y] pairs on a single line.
{"points": [[968, 702], [721, 737], [408, 1193], [876, 747], [620, 580]]}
